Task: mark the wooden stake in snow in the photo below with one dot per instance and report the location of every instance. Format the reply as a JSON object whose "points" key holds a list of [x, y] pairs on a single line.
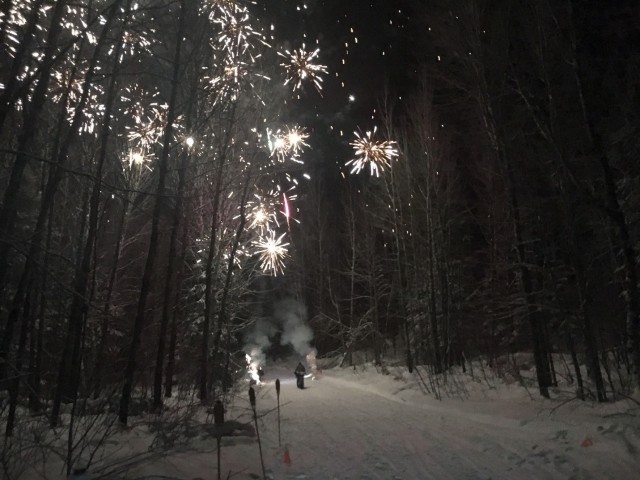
{"points": [[218, 420], [252, 400], [278, 396]]}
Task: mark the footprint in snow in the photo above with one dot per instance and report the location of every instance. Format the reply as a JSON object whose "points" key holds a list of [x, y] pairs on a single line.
{"points": [[559, 460], [561, 435]]}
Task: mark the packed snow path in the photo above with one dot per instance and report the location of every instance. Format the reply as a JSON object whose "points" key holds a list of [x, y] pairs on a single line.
{"points": [[363, 425], [349, 426]]}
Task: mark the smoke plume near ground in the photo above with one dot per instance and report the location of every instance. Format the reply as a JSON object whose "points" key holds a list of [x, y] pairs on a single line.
{"points": [[290, 320], [292, 316]]}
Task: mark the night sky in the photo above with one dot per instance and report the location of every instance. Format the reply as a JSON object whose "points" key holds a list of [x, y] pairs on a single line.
{"points": [[365, 47]]}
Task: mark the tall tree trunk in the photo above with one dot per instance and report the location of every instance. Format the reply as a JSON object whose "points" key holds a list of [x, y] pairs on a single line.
{"points": [[106, 311], [149, 267], [36, 372], [348, 337], [25, 147], [209, 296], [14, 389], [595, 45], [541, 359], [168, 287], [173, 336], [433, 314], [591, 344], [8, 97], [70, 364], [533, 314], [55, 175], [222, 314], [629, 259]]}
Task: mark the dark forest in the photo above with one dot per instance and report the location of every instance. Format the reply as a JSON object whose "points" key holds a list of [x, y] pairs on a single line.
{"points": [[173, 171]]}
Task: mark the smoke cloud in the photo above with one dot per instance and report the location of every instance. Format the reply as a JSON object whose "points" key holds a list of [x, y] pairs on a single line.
{"points": [[258, 340], [290, 319], [292, 316]]}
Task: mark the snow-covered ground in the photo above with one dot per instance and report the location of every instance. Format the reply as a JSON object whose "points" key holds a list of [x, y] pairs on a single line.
{"points": [[361, 424]]}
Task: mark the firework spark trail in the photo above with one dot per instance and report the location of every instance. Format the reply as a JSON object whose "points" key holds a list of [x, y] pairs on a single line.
{"points": [[287, 211], [378, 154], [272, 252], [301, 68]]}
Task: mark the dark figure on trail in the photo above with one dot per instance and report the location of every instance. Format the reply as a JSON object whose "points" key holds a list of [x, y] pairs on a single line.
{"points": [[299, 373], [260, 373]]}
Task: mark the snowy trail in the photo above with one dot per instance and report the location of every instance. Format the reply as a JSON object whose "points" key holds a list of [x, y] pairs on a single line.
{"points": [[369, 426], [340, 429]]}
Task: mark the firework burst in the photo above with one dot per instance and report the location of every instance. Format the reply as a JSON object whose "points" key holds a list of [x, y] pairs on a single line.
{"points": [[136, 158], [237, 35], [225, 83], [134, 42], [301, 68], [378, 154], [260, 217], [135, 166], [68, 84], [262, 212], [272, 251], [13, 23], [288, 144], [296, 139], [223, 7], [150, 124]]}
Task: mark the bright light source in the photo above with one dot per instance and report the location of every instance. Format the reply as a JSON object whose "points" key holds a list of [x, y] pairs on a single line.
{"points": [[190, 141]]}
